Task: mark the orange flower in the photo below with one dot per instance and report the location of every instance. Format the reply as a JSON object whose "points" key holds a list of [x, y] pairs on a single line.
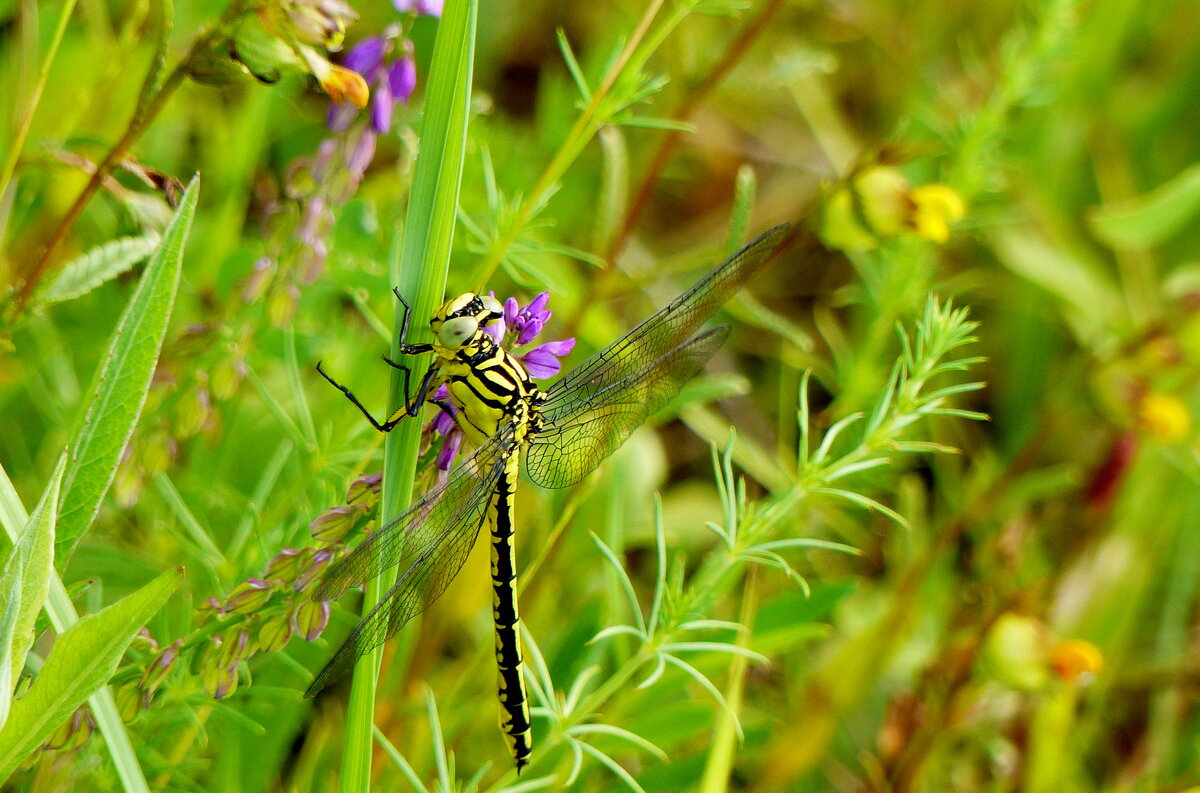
{"points": [[1075, 660]]}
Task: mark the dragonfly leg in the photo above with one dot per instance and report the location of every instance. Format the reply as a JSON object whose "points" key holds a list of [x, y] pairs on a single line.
{"points": [[384, 426], [405, 347]]}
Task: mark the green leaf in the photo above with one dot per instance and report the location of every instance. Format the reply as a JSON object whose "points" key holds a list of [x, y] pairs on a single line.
{"points": [[121, 383], [1151, 218], [100, 264], [24, 584], [83, 659]]}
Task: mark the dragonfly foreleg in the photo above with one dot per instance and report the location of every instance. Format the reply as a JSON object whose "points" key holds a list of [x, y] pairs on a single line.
{"points": [[382, 426]]}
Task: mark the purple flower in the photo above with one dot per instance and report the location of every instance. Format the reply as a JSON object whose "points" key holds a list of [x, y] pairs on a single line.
{"points": [[542, 361], [391, 83], [518, 327], [431, 8]]}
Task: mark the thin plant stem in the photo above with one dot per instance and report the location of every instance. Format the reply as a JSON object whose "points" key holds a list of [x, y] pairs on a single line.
{"points": [[143, 114], [580, 133], [734, 53]]}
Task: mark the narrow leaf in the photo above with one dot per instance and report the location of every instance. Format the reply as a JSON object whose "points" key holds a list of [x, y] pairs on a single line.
{"points": [[1152, 218], [25, 581], [83, 659], [121, 383]]}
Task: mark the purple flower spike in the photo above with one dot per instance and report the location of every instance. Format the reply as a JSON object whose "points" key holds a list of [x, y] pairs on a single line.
{"points": [[530, 319], [390, 83]]}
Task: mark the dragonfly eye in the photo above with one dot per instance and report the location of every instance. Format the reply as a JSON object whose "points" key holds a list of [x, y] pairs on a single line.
{"points": [[455, 332]]}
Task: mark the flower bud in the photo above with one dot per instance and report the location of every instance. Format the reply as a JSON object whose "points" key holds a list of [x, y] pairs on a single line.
{"points": [[128, 484], [309, 618], [235, 648], [219, 682], [195, 410], [333, 524], [281, 304], [316, 565], [248, 596], [216, 64], [227, 375], [1014, 652], [160, 667], [258, 280], [129, 701], [274, 633], [158, 452], [365, 489], [286, 565]]}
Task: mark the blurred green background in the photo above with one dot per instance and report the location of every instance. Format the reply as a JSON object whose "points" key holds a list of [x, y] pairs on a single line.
{"points": [[1031, 627]]}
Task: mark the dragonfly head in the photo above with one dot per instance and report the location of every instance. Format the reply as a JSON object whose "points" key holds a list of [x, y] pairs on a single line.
{"points": [[460, 321]]}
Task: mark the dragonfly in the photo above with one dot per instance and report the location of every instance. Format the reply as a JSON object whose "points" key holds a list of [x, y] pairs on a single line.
{"points": [[563, 433]]}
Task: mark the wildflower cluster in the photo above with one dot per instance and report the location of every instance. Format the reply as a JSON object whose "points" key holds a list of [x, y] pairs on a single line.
{"points": [[269, 40], [320, 183], [263, 614], [519, 326]]}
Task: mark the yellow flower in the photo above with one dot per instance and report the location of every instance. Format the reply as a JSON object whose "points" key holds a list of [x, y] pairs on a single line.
{"points": [[1164, 417], [878, 204], [936, 207], [344, 84], [1075, 660]]}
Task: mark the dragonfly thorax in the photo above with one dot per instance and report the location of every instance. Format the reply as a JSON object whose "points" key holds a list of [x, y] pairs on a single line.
{"points": [[489, 386]]}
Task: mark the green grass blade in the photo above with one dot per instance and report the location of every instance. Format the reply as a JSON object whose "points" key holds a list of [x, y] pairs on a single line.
{"points": [[420, 272], [81, 662], [24, 585], [121, 383], [98, 266]]}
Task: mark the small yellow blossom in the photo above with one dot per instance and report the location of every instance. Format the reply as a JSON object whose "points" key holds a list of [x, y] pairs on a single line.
{"points": [[878, 203], [344, 84], [1075, 660], [1164, 417], [936, 207]]}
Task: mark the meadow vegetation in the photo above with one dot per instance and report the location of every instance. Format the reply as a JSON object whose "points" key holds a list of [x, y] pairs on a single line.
{"points": [[926, 524]]}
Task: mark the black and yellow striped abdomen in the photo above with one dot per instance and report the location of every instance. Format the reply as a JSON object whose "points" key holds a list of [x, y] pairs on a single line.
{"points": [[510, 680]]}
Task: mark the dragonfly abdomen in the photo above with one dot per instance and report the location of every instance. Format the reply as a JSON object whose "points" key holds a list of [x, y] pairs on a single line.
{"points": [[510, 680]]}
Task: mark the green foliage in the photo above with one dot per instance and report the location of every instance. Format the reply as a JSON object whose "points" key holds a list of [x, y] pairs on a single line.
{"points": [[121, 383], [83, 659], [926, 523], [25, 582]]}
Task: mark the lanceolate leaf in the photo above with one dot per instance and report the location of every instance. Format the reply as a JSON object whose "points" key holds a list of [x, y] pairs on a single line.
{"points": [[23, 586], [100, 264], [81, 661], [119, 389]]}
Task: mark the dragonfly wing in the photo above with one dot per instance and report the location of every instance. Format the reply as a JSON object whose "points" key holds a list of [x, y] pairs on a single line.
{"points": [[427, 521], [665, 330], [578, 436], [430, 541]]}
